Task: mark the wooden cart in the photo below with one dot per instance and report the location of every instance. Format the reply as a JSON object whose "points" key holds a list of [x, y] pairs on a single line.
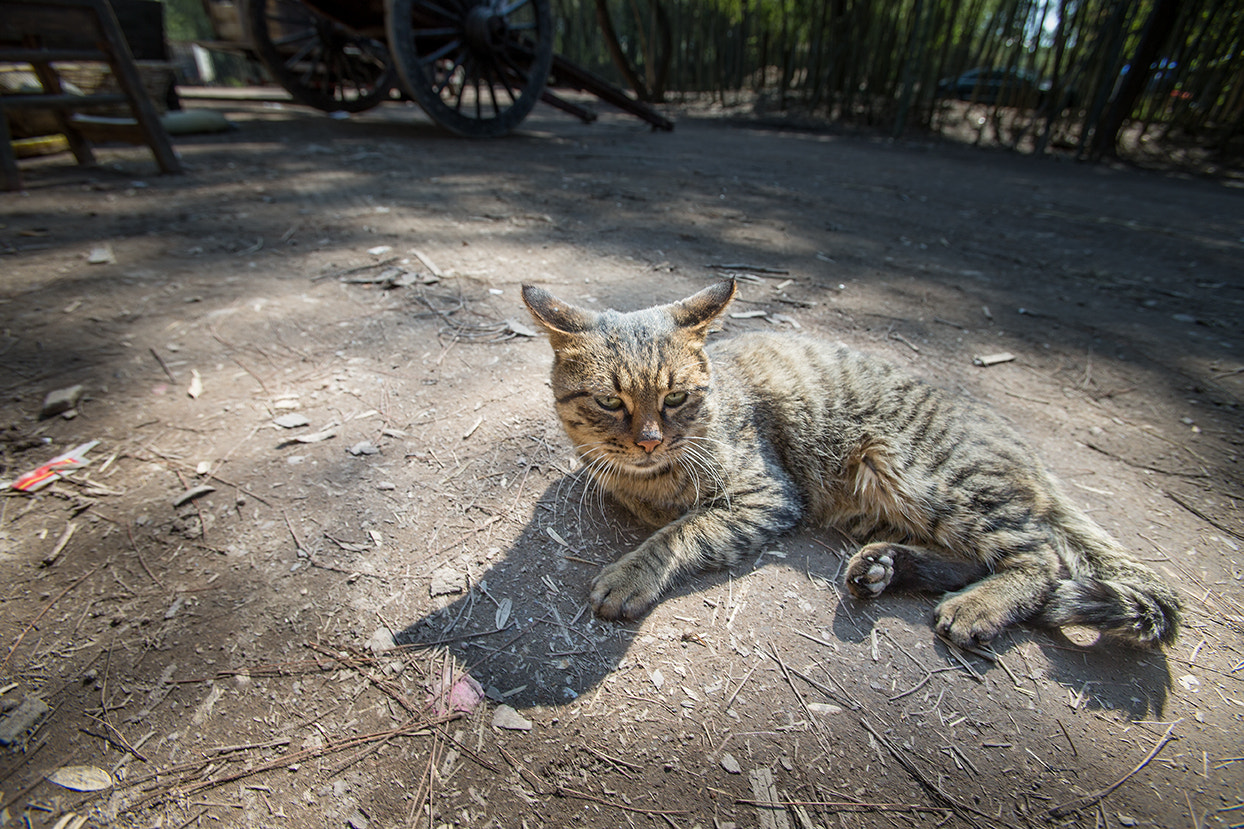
{"points": [[477, 67]]}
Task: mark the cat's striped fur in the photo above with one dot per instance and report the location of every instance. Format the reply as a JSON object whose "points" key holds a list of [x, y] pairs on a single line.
{"points": [[725, 447]]}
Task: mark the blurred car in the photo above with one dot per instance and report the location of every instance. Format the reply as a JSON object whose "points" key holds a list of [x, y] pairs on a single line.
{"points": [[1163, 78], [997, 86]]}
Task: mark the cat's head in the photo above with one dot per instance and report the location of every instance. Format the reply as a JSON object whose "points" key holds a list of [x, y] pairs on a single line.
{"points": [[631, 388]]}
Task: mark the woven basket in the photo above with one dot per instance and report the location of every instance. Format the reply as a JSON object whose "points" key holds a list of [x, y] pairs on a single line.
{"points": [[92, 78], [84, 78]]}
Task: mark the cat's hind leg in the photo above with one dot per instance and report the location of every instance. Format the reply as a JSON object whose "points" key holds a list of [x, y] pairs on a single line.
{"points": [[882, 566], [980, 602], [1016, 591]]}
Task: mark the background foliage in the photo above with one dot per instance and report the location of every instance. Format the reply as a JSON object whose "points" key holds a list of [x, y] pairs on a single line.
{"points": [[880, 63]]}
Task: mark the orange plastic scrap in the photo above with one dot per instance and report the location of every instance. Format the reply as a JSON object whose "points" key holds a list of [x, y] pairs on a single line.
{"points": [[54, 469]]}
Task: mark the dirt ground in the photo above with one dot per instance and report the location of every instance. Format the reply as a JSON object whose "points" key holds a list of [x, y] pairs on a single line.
{"points": [[229, 658]]}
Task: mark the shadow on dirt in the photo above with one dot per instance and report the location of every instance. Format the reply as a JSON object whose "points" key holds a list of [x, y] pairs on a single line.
{"points": [[1110, 676], [526, 632], [1104, 675]]}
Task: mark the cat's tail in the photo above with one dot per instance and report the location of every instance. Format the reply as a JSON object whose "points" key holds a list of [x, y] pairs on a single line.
{"points": [[1108, 589]]}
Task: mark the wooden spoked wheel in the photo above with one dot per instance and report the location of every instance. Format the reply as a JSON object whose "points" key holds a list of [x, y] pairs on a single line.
{"points": [[477, 67], [318, 61]]}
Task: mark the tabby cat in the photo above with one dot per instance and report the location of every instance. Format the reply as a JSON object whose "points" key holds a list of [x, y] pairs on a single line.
{"points": [[723, 448]]}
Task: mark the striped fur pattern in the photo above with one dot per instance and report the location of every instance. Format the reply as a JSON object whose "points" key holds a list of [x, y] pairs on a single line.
{"points": [[724, 447]]}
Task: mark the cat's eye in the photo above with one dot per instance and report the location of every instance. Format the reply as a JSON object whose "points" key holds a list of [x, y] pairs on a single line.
{"points": [[675, 398], [611, 404]]}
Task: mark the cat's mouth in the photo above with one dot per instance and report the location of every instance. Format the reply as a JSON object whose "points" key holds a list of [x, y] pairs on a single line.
{"points": [[658, 462], [644, 464]]}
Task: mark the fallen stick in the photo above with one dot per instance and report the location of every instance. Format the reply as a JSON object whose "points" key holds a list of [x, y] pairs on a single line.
{"points": [[13, 648], [1190, 508], [1072, 806], [61, 543], [964, 811], [562, 791], [411, 727], [740, 266], [746, 677], [846, 805], [119, 738]]}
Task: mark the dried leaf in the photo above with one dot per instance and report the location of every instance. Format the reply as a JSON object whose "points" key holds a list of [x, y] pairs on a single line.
{"points": [[330, 432], [292, 420], [191, 494], [381, 640], [81, 778], [518, 328]]}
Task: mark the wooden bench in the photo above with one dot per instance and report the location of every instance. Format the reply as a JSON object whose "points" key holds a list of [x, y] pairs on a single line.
{"points": [[42, 33]]}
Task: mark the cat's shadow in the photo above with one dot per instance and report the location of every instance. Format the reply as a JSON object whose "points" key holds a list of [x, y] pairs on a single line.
{"points": [[1096, 672], [525, 631]]}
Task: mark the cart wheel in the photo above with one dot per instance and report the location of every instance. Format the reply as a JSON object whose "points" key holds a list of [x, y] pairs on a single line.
{"points": [[477, 67], [320, 62]]}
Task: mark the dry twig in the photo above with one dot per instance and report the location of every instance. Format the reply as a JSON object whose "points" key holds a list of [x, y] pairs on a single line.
{"points": [[1080, 803], [964, 811], [1199, 514], [562, 791], [17, 643], [847, 805]]}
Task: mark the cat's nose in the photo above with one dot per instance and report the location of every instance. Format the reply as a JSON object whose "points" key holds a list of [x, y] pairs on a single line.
{"points": [[649, 434]]}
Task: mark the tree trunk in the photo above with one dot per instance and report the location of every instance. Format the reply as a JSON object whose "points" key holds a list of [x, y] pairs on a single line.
{"points": [[615, 51], [1157, 33], [661, 45]]}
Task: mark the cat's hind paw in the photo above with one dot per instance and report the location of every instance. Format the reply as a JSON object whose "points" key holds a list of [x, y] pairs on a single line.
{"points": [[870, 571], [968, 619]]}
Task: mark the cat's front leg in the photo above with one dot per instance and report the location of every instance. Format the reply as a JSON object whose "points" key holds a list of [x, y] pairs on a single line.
{"points": [[711, 536], [629, 586], [882, 566]]}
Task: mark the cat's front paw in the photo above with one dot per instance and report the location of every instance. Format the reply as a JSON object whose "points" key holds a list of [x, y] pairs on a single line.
{"points": [[625, 589], [870, 571]]}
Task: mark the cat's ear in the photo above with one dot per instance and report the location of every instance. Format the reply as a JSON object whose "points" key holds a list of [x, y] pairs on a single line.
{"points": [[697, 311], [560, 319]]}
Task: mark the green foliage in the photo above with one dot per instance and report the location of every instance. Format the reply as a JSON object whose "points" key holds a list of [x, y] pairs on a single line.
{"points": [[186, 20], [880, 62]]}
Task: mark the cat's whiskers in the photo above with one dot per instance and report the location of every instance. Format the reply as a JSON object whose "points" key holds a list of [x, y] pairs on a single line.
{"points": [[599, 469], [688, 464], [577, 477], [705, 438], [694, 444], [705, 463]]}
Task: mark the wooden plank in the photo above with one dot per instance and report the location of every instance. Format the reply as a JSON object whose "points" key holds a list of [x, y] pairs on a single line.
{"points": [[64, 101], [126, 73], [764, 791], [49, 55]]}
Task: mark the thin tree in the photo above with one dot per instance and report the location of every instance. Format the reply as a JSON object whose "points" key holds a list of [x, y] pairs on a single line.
{"points": [[1156, 33]]}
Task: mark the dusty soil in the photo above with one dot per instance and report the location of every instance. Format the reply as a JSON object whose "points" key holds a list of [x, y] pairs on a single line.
{"points": [[229, 661]]}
